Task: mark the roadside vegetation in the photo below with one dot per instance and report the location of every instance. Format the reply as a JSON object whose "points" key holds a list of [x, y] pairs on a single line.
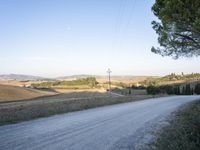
{"points": [[173, 84], [182, 133], [186, 89]]}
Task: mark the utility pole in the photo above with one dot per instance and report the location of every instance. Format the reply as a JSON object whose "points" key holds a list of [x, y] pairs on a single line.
{"points": [[109, 82]]}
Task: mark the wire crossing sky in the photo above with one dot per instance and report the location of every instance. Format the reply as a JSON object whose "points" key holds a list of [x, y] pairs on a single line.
{"points": [[65, 37]]}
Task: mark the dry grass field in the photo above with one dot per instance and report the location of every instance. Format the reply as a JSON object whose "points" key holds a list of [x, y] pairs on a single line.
{"points": [[13, 93], [18, 83], [124, 79]]}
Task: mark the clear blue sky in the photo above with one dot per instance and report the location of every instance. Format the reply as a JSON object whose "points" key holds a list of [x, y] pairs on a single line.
{"points": [[64, 37]]}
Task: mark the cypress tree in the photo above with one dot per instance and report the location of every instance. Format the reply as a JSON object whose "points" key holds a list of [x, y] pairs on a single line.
{"points": [[183, 91], [187, 89], [178, 90], [192, 91], [197, 89]]}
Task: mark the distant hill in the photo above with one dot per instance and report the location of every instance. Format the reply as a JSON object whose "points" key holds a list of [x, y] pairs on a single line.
{"points": [[105, 78], [21, 77], [74, 77], [100, 78]]}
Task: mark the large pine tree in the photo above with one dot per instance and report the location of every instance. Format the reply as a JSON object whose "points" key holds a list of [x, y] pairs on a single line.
{"points": [[178, 29]]}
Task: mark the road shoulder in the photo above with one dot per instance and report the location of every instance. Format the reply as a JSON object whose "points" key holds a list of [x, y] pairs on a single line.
{"points": [[182, 132]]}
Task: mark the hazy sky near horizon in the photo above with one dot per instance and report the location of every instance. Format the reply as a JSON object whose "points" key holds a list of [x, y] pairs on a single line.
{"points": [[65, 37]]}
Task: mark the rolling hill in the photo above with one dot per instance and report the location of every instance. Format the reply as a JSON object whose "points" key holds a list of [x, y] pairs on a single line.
{"points": [[13, 93]]}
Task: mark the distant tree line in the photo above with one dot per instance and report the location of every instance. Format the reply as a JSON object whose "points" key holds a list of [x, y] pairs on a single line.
{"points": [[174, 89], [91, 82]]}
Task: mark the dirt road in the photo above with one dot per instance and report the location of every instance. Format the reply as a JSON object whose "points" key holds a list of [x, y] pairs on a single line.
{"points": [[121, 126]]}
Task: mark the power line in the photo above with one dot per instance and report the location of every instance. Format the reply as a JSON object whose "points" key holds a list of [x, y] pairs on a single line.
{"points": [[122, 24], [118, 23], [131, 13]]}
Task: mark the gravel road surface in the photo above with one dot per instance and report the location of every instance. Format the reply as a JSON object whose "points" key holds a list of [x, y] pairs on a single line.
{"points": [[121, 126]]}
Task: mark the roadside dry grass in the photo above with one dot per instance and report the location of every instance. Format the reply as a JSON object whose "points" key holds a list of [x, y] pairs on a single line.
{"points": [[46, 106], [182, 133]]}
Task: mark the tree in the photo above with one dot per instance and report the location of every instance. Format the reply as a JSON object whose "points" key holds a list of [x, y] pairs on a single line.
{"points": [[177, 90], [197, 89], [153, 90], [192, 91], [187, 89], [183, 91], [168, 89], [178, 29]]}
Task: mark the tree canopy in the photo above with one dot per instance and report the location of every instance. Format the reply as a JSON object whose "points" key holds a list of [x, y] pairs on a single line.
{"points": [[178, 27]]}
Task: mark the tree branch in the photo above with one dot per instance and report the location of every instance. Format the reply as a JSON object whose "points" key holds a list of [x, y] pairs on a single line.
{"points": [[188, 38]]}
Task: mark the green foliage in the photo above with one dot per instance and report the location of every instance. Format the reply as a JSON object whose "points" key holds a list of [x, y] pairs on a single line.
{"points": [[183, 91], [167, 89], [187, 90], [197, 89], [192, 91], [170, 89], [91, 82], [177, 90], [153, 90], [129, 91], [171, 84], [179, 27]]}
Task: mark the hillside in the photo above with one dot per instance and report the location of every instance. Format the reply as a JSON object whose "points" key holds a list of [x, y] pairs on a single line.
{"points": [[13, 93], [100, 78], [172, 79]]}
